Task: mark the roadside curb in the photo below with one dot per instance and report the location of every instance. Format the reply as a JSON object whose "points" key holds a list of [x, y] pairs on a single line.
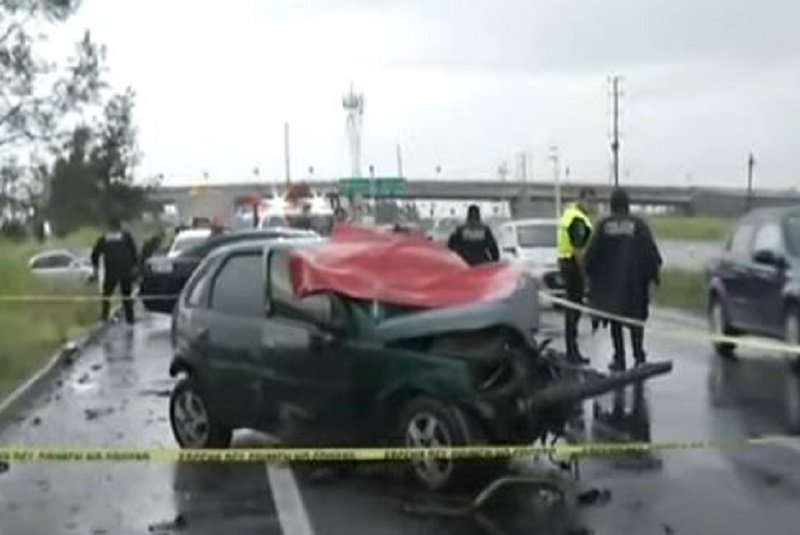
{"points": [[23, 395]]}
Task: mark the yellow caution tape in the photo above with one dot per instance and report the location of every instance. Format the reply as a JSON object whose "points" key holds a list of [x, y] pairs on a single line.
{"points": [[677, 330], [281, 455], [56, 298]]}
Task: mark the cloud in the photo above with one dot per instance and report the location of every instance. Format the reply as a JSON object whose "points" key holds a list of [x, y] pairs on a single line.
{"points": [[462, 84]]}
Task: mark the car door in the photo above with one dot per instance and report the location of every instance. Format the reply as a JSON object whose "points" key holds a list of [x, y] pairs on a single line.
{"points": [[234, 332], [766, 279], [312, 368], [732, 271]]}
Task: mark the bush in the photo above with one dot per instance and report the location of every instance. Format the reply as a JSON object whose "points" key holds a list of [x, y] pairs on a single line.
{"points": [[31, 332], [690, 228], [682, 289]]}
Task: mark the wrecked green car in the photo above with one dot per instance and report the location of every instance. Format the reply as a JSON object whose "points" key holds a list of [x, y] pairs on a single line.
{"points": [[320, 344]]}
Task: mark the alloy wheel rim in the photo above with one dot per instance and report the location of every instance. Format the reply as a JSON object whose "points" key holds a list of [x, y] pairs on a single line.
{"points": [[191, 419], [425, 430]]}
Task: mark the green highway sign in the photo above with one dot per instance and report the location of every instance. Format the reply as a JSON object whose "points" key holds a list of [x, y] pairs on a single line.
{"points": [[366, 187]]}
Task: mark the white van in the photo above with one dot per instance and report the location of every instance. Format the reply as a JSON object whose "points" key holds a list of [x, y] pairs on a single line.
{"points": [[531, 245]]}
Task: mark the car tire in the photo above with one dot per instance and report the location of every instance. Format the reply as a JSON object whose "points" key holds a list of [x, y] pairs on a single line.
{"points": [[427, 422], [718, 325], [192, 424], [792, 397]]}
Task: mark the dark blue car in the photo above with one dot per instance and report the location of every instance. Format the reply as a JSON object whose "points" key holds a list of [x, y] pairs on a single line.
{"points": [[754, 285]]}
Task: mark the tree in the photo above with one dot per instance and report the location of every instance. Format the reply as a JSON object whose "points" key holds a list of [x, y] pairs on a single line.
{"points": [[36, 96], [92, 179]]}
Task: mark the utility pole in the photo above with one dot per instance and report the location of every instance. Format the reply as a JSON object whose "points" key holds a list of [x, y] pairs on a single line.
{"points": [[286, 153], [399, 162], [751, 162], [615, 80]]}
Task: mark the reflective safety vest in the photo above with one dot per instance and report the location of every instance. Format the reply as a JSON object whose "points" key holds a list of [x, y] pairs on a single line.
{"points": [[563, 243]]}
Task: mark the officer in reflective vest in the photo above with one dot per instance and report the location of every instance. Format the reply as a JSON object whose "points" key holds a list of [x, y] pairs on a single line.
{"points": [[574, 230]]}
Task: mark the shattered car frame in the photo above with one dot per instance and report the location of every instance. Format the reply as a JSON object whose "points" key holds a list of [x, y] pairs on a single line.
{"points": [[363, 372]]}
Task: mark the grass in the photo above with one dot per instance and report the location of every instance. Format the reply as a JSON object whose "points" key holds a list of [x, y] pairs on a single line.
{"points": [[690, 228], [681, 289], [31, 332]]}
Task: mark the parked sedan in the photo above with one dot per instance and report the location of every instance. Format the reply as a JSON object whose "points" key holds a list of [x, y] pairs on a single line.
{"points": [[531, 245], [62, 268], [164, 276], [322, 343]]}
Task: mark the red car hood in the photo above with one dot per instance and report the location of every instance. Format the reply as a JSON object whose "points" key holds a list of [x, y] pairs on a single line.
{"points": [[367, 264]]}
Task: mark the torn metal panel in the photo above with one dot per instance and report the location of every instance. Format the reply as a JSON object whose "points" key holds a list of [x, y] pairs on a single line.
{"points": [[519, 311]]}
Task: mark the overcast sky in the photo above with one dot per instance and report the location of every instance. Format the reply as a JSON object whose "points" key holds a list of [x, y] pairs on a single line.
{"points": [[464, 84]]}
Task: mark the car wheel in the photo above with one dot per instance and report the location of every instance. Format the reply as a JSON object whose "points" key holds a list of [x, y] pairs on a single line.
{"points": [[428, 423], [719, 327], [792, 336], [191, 420]]}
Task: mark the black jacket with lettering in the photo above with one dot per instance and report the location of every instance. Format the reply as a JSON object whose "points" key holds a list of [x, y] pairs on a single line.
{"points": [[621, 261], [475, 244], [119, 253]]}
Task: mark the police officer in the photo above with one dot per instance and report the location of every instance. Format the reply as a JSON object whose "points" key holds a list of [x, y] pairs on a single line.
{"points": [[574, 231], [151, 247], [623, 264], [119, 262], [474, 241]]}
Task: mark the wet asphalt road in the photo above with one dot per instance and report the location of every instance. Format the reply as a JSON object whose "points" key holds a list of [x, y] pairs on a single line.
{"points": [[116, 395]]}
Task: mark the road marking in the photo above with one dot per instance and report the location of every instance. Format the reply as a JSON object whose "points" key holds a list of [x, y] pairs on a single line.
{"points": [[292, 514]]}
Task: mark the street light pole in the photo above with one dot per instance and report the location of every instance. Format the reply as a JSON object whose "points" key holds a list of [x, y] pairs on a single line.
{"points": [[286, 153], [554, 157], [751, 162]]}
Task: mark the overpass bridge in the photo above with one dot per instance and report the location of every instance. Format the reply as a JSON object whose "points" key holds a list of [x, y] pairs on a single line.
{"points": [[686, 200]]}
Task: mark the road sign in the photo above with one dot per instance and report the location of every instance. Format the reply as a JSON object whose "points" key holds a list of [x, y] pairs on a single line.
{"points": [[366, 187]]}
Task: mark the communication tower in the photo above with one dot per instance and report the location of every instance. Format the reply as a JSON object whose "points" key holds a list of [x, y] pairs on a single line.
{"points": [[353, 104]]}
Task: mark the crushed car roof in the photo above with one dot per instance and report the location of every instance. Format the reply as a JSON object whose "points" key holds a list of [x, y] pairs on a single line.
{"points": [[397, 269]]}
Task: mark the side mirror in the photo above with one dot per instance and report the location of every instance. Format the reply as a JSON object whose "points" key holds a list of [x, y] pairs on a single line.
{"points": [[510, 250], [770, 258]]}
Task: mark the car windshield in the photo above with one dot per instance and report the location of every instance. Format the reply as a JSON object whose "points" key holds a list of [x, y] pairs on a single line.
{"points": [[185, 243], [530, 236]]}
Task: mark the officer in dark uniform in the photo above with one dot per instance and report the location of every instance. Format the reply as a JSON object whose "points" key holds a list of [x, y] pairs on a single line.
{"points": [[474, 241], [623, 263], [151, 247], [120, 258]]}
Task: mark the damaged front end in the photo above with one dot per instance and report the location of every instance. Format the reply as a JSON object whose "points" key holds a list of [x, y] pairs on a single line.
{"points": [[524, 391]]}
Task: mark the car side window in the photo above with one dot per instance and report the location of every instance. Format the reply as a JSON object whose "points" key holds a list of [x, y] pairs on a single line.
{"points": [[42, 262], [61, 261], [52, 261], [238, 287], [198, 289], [740, 242], [768, 238], [315, 308]]}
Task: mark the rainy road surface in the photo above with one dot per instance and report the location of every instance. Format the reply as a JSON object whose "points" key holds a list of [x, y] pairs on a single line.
{"points": [[115, 395]]}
